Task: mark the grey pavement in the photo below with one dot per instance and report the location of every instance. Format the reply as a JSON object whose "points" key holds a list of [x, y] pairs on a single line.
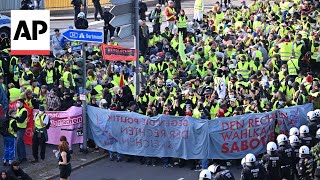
{"points": [[48, 168], [107, 170]]}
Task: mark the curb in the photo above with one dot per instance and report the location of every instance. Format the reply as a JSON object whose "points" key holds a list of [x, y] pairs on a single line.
{"points": [[80, 166]]}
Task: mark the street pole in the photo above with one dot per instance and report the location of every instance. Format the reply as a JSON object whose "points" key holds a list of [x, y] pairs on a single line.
{"points": [[136, 46], [85, 7], [84, 103]]}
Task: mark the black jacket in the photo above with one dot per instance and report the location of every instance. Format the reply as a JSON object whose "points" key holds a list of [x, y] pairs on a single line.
{"points": [[107, 16], [18, 174]]}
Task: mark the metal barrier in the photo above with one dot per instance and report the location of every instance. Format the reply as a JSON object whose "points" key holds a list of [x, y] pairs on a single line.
{"points": [[66, 4]]}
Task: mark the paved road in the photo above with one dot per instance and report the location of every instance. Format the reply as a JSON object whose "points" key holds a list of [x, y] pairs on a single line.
{"points": [[107, 170], [128, 43]]}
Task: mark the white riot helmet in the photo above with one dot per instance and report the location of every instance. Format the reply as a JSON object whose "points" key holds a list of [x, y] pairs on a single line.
{"points": [[243, 161], [81, 15], [304, 129], [205, 175], [271, 146], [304, 150], [250, 158], [294, 139], [282, 139], [311, 115], [294, 131], [317, 113], [318, 134], [213, 168]]}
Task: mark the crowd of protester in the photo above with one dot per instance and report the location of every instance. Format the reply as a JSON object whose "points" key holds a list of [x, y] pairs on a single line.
{"points": [[247, 59]]}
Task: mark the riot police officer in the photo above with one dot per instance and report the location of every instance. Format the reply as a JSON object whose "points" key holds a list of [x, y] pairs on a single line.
{"points": [[306, 165], [220, 172], [252, 170], [81, 22], [107, 16], [315, 152], [294, 131], [295, 145], [271, 162], [314, 121], [305, 137], [287, 154], [205, 175]]}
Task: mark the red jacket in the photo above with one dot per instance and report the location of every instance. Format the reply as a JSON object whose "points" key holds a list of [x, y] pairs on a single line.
{"points": [[169, 14]]}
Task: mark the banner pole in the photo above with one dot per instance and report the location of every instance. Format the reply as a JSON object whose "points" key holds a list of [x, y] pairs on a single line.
{"points": [[84, 103], [136, 46]]}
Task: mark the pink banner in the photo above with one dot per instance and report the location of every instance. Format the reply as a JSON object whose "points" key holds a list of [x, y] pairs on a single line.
{"points": [[67, 123]]}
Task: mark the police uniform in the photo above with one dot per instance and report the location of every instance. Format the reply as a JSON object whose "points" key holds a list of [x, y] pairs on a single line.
{"points": [[223, 174], [40, 135], [272, 165], [107, 16], [255, 172], [287, 155], [306, 139]]}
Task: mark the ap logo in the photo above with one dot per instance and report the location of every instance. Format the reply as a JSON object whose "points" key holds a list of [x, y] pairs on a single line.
{"points": [[30, 32]]}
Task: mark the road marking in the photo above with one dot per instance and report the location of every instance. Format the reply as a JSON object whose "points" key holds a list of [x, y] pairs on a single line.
{"points": [[181, 179], [95, 22]]}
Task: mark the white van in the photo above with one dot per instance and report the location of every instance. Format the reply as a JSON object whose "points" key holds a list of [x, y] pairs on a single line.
{"points": [[5, 25]]}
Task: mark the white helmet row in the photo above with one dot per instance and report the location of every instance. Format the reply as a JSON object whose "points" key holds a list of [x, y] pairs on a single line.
{"points": [[317, 113], [213, 168], [294, 131], [304, 150], [250, 158], [318, 134], [243, 161], [205, 174], [304, 129], [311, 115], [293, 139], [271, 146], [282, 139]]}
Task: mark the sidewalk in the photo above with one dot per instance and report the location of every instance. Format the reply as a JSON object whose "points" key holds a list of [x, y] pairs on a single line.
{"points": [[48, 169]]}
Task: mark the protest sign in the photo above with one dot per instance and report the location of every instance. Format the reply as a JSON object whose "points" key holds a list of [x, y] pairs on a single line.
{"points": [[187, 137], [67, 123], [117, 53], [294, 116], [234, 137], [136, 134]]}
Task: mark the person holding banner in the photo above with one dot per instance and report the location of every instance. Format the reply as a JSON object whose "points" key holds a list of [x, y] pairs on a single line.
{"points": [[40, 134], [22, 118]]}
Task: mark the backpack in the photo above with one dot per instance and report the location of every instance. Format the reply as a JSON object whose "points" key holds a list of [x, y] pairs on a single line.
{"points": [[151, 15], [4, 126]]}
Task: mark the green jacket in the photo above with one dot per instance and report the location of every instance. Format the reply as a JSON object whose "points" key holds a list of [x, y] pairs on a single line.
{"points": [[315, 152]]}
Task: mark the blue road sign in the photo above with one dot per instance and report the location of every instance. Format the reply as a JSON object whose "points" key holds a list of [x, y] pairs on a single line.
{"points": [[83, 35], [76, 48]]}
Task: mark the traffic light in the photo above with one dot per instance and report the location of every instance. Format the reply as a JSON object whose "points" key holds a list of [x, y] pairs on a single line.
{"points": [[78, 72]]}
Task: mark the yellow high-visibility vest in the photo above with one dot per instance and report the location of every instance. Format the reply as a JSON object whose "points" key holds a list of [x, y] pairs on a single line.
{"points": [[182, 22], [10, 129], [293, 66], [19, 113], [286, 51], [38, 119]]}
